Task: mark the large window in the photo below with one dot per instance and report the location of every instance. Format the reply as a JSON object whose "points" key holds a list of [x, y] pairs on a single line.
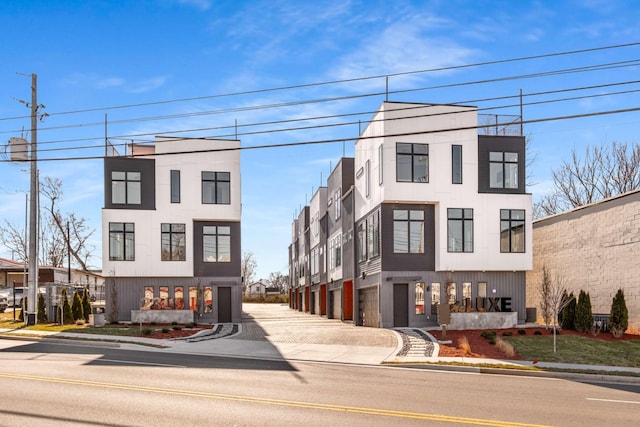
{"points": [[380, 164], [408, 231], [460, 230], [362, 242], [121, 241], [216, 188], [173, 242], [335, 252], [456, 164], [175, 186], [125, 188], [512, 230], [435, 297], [412, 162], [420, 298], [503, 170], [216, 243], [373, 234]]}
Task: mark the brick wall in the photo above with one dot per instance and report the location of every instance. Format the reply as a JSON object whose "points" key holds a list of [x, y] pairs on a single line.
{"points": [[595, 248]]}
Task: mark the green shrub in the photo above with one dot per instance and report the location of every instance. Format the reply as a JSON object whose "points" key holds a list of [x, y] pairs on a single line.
{"points": [[176, 327], [67, 315], [619, 315], [147, 331], [42, 309], [489, 336], [165, 330], [567, 316], [522, 332], [537, 332], [174, 323], [507, 333], [86, 305], [191, 325], [584, 315], [76, 307]]}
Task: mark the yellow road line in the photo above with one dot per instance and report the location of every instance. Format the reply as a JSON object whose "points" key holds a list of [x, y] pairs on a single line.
{"points": [[279, 402]]}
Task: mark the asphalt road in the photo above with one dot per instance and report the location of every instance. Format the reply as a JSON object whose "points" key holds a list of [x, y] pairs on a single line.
{"points": [[55, 384]]}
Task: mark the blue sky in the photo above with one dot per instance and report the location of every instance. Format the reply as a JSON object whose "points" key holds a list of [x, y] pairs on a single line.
{"points": [[91, 56]]}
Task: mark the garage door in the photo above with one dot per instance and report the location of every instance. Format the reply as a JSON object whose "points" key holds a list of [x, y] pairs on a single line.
{"points": [[368, 307], [336, 304]]}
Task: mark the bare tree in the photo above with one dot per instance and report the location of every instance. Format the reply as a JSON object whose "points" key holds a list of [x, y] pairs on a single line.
{"points": [[248, 269], [545, 289], [278, 280], [54, 238], [552, 300], [605, 171], [74, 232]]}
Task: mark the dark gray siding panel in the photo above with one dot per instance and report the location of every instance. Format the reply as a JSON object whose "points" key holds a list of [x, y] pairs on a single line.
{"points": [[147, 168], [399, 262], [201, 268], [514, 144]]}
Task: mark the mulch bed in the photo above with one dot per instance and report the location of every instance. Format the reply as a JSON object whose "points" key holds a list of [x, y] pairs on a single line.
{"points": [[171, 333], [480, 347]]}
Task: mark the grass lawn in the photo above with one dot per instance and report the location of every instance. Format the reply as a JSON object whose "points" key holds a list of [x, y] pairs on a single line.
{"points": [[577, 349]]}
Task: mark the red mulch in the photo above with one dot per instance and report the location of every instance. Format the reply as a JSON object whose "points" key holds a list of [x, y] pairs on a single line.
{"points": [[171, 333], [480, 347]]}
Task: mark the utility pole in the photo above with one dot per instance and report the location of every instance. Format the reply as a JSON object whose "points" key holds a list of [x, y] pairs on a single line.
{"points": [[32, 296]]}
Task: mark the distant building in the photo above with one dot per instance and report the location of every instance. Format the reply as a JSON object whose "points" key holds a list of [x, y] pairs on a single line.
{"points": [[427, 213], [595, 248], [171, 231]]}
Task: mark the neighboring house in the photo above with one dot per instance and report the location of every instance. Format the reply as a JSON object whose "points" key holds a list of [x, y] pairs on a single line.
{"points": [[171, 231], [436, 214], [15, 273], [595, 248], [256, 288]]}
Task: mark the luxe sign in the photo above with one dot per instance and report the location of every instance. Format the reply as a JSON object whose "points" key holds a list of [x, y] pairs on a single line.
{"points": [[488, 305]]}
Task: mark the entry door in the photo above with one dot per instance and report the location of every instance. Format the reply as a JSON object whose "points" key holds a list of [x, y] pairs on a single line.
{"points": [[400, 305], [224, 305]]}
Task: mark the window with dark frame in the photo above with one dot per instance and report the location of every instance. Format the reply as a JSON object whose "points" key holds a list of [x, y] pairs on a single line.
{"points": [[512, 230], [216, 243], [175, 186], [126, 188], [173, 241], [362, 242], [503, 170], [412, 162], [216, 188], [121, 241], [373, 235], [456, 164], [408, 231], [459, 230]]}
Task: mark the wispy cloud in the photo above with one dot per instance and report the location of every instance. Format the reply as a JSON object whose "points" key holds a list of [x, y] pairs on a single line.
{"points": [[402, 47], [199, 4], [147, 85]]}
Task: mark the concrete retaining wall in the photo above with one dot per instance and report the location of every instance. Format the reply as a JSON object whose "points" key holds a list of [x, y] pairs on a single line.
{"points": [[478, 320], [162, 316]]}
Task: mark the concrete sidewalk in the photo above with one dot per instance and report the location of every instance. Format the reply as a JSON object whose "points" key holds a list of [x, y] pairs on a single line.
{"points": [[275, 332]]}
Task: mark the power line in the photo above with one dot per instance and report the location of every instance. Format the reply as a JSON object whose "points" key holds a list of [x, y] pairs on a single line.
{"points": [[360, 138], [351, 123], [332, 82]]}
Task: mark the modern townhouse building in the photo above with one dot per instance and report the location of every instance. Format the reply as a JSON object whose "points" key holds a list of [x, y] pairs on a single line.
{"points": [[440, 215], [171, 232], [317, 248], [340, 271]]}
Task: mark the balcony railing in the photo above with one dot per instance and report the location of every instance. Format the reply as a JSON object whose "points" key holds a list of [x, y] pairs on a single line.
{"points": [[499, 124]]}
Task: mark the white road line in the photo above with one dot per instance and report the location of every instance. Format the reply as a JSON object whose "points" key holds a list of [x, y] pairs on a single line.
{"points": [[614, 401]]}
